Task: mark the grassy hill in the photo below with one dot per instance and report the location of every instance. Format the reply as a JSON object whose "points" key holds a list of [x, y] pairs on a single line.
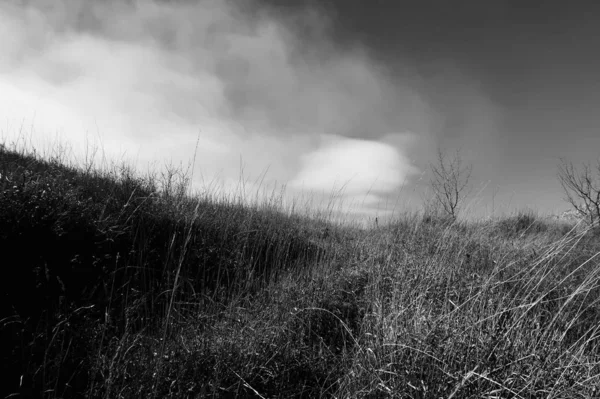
{"points": [[121, 285]]}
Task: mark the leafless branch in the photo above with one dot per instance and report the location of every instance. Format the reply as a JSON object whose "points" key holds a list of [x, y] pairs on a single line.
{"points": [[582, 189], [450, 182]]}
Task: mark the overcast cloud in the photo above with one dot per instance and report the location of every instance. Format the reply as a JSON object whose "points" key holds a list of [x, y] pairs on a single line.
{"points": [[151, 78]]}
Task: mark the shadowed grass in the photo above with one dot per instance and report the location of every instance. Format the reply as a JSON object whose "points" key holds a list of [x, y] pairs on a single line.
{"points": [[123, 285]]}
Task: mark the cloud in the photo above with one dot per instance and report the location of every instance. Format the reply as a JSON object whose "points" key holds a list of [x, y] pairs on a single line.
{"points": [[153, 78], [356, 167]]}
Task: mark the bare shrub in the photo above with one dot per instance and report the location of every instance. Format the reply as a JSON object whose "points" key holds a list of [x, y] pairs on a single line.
{"points": [[450, 183], [582, 189]]}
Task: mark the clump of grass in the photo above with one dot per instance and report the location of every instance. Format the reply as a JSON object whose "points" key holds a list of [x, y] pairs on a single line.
{"points": [[525, 222], [129, 286]]}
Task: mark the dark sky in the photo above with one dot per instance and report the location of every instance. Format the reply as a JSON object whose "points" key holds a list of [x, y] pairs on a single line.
{"points": [[522, 52], [499, 39]]}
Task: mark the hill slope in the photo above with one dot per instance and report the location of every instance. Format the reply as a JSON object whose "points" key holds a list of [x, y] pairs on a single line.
{"points": [[114, 287]]}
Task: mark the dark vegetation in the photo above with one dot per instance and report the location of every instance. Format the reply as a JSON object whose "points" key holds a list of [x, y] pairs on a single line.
{"points": [[120, 285]]}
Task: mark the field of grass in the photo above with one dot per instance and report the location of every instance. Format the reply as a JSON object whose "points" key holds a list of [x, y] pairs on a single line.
{"points": [[120, 285]]}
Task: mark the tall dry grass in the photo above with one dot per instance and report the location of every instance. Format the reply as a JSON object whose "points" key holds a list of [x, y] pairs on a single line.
{"points": [[127, 285]]}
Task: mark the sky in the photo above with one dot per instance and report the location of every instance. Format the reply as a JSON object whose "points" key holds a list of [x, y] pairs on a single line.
{"points": [[341, 98]]}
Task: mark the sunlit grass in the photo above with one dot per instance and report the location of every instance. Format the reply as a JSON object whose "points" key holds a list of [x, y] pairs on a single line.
{"points": [[124, 284]]}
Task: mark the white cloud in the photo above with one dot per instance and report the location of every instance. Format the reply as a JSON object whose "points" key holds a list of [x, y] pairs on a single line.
{"points": [[152, 77], [360, 168]]}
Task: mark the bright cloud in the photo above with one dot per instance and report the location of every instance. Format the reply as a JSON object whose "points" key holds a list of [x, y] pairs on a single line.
{"points": [[357, 167], [153, 78]]}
